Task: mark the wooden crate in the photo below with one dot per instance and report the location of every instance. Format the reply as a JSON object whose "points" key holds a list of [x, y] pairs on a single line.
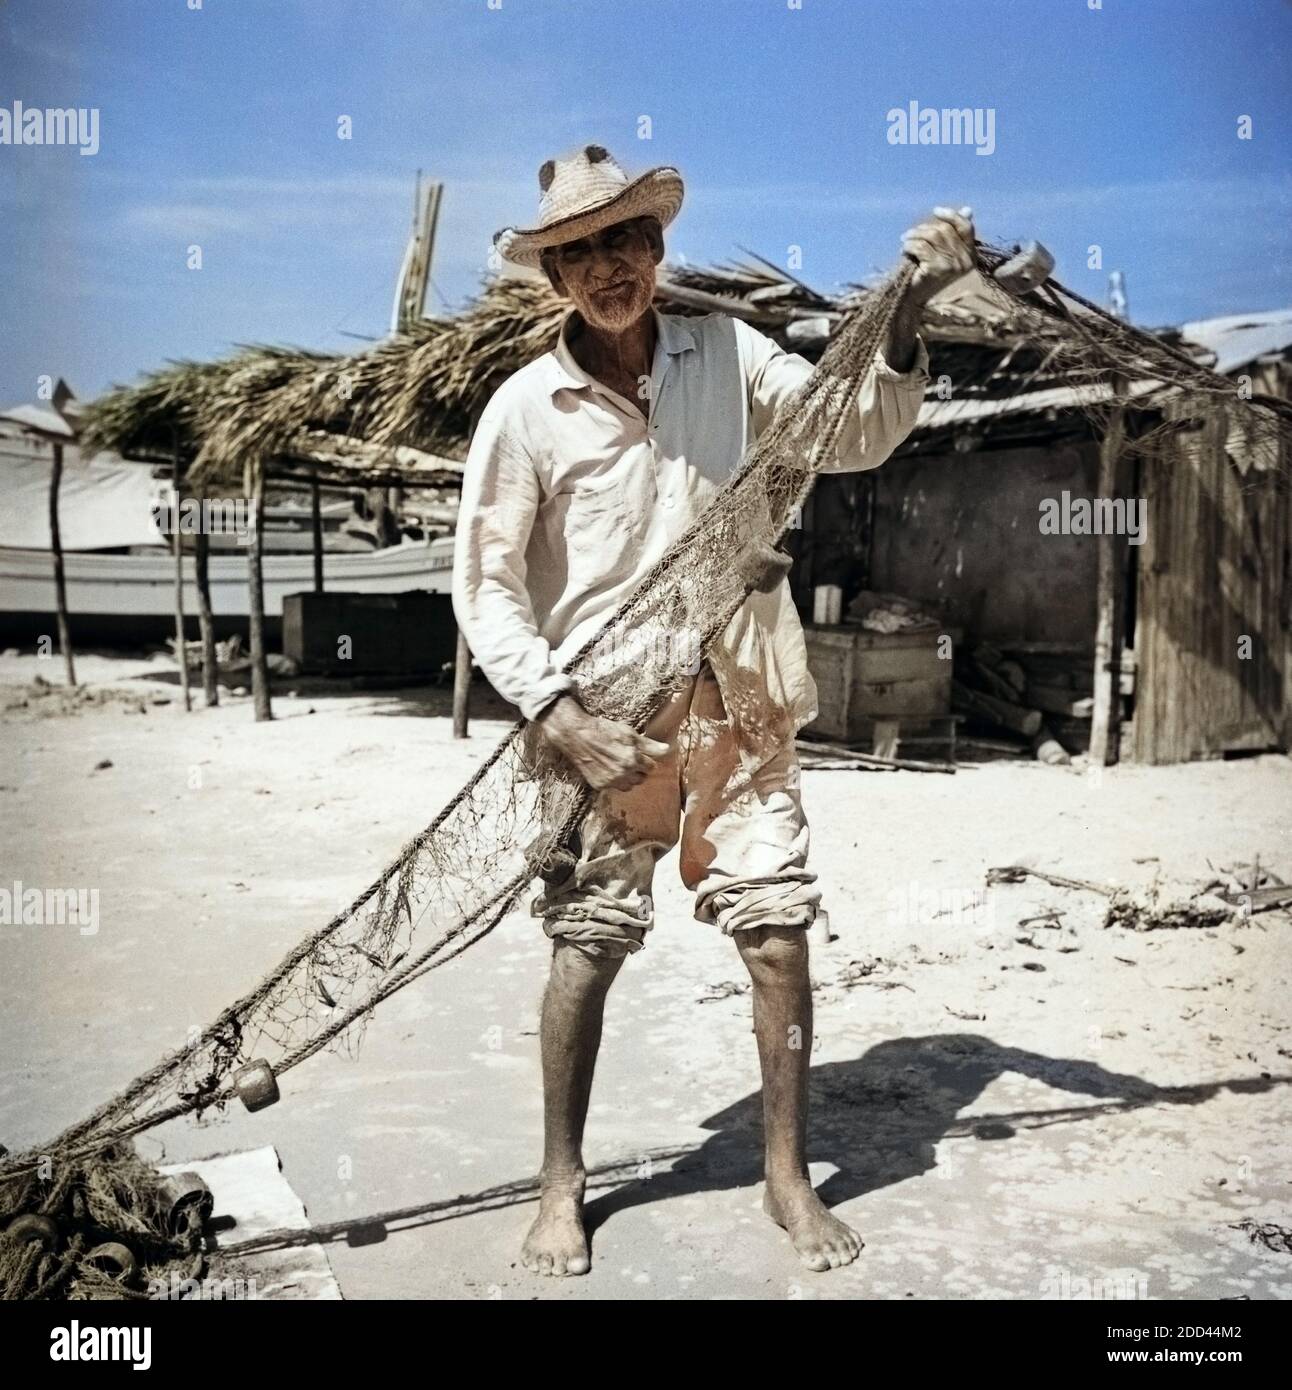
{"points": [[410, 633], [863, 677]]}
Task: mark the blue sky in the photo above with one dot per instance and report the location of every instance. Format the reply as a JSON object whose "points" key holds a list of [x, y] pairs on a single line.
{"points": [[218, 127]]}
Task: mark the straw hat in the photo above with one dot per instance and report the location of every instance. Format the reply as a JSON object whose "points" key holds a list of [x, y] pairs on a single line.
{"points": [[584, 192]]}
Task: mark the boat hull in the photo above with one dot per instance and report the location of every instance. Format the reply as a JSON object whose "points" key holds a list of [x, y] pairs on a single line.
{"points": [[117, 598]]}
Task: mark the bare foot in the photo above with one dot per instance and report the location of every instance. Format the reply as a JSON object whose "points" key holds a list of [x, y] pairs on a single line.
{"points": [[822, 1241], [556, 1243]]}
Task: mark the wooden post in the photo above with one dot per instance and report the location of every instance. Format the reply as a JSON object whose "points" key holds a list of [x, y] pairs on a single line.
{"points": [[316, 520], [1105, 719], [60, 581], [256, 597], [177, 545], [205, 620], [462, 663], [461, 687]]}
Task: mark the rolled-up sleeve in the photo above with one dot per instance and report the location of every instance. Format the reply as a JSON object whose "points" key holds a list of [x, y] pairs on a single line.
{"points": [[500, 495], [882, 415]]}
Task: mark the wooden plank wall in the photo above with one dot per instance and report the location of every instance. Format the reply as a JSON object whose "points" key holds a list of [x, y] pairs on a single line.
{"points": [[963, 531], [1213, 571]]}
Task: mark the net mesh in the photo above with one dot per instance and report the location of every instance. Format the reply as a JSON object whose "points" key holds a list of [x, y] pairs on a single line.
{"points": [[462, 874]]}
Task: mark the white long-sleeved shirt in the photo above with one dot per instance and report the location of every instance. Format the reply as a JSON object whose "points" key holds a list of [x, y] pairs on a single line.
{"points": [[570, 495]]}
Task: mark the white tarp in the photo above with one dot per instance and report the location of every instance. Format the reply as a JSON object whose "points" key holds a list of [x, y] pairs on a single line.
{"points": [[103, 502]]}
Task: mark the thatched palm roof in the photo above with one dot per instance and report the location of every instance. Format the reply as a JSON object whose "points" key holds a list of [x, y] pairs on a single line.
{"points": [[403, 409], [272, 406]]}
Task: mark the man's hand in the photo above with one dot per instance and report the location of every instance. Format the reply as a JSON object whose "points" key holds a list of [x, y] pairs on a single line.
{"points": [[942, 247], [604, 752]]}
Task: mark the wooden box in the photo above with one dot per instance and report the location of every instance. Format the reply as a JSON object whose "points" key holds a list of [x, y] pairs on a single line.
{"points": [[353, 634], [864, 676]]}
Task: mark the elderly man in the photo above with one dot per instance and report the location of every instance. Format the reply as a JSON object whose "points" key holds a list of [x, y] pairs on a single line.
{"points": [[586, 465]]}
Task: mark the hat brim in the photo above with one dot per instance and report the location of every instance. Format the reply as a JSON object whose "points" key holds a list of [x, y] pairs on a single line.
{"points": [[656, 193]]}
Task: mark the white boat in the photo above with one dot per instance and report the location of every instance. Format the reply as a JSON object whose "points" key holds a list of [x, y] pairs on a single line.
{"points": [[100, 585], [119, 569]]}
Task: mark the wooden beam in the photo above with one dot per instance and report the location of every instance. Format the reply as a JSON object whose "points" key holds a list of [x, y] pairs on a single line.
{"points": [[1110, 601], [177, 545], [60, 579], [316, 522], [461, 687], [256, 598], [356, 480], [462, 664], [1003, 712], [205, 619], [723, 304], [339, 477]]}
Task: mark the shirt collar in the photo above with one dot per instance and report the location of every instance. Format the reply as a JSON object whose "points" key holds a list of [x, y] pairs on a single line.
{"points": [[674, 334]]}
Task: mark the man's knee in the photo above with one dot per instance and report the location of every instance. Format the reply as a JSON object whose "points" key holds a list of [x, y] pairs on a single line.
{"points": [[593, 961], [773, 954]]}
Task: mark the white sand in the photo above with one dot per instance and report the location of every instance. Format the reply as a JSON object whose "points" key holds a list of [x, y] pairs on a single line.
{"points": [[215, 843]]}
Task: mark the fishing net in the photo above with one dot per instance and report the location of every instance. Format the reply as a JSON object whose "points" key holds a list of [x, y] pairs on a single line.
{"points": [[95, 1227], [1111, 367], [460, 876]]}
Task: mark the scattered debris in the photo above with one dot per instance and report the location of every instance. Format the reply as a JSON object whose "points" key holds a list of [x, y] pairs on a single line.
{"points": [[1048, 749], [859, 969], [858, 972], [1152, 908], [727, 989], [1272, 1237], [1016, 873], [1051, 918], [46, 701], [1042, 691], [835, 757]]}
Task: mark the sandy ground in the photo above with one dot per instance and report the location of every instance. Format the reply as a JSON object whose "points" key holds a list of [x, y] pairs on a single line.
{"points": [[988, 1097]]}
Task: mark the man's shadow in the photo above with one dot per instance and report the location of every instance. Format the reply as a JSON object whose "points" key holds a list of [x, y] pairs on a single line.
{"points": [[877, 1118]]}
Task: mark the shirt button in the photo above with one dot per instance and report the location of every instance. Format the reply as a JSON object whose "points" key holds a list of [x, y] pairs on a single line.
{"points": [[668, 499]]}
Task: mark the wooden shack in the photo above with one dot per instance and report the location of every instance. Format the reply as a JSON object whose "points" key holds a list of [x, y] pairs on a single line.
{"points": [[1205, 587]]}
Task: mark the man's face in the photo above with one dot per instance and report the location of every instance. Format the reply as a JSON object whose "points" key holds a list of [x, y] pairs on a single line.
{"points": [[610, 275]]}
